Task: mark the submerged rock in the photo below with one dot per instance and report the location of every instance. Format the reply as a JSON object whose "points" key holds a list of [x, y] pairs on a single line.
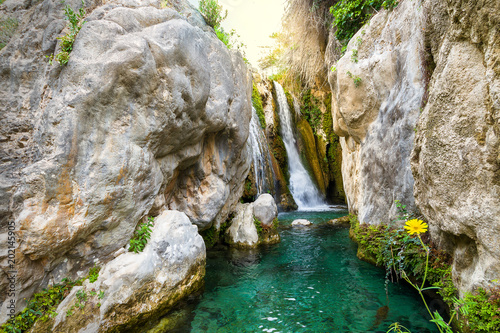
{"points": [[138, 286], [341, 221], [248, 229], [301, 222]]}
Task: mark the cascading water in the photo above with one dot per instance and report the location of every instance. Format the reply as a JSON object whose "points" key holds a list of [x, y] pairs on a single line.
{"points": [[303, 190], [260, 155]]}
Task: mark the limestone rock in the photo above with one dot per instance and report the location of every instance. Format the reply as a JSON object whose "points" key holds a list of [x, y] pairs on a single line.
{"points": [[376, 119], [429, 98], [151, 113], [301, 222], [243, 230], [341, 221], [265, 209], [456, 159], [145, 284]]}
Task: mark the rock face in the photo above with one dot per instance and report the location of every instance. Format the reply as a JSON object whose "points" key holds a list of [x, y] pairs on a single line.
{"points": [[243, 231], [151, 113], [138, 285], [376, 119], [429, 94], [456, 159]]}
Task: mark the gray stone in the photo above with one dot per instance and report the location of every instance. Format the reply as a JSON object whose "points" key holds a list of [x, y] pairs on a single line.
{"points": [[151, 112], [265, 209], [376, 120], [171, 266], [242, 232], [301, 222], [456, 161], [341, 221], [428, 98]]}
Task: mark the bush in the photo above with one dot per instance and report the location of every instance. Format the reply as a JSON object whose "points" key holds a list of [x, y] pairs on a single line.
{"points": [[75, 21], [141, 236], [7, 28], [212, 12], [257, 104], [41, 306], [351, 15]]}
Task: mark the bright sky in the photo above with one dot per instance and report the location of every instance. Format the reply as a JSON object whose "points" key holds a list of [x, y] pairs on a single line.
{"points": [[254, 21]]}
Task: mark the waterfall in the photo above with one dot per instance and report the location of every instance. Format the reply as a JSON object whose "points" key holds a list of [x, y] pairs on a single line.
{"points": [[303, 190], [260, 155]]}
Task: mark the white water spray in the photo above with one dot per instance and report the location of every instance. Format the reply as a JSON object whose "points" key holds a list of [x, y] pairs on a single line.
{"points": [[260, 154], [303, 190]]}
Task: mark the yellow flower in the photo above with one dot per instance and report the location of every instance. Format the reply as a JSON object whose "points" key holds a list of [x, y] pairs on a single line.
{"points": [[416, 226]]}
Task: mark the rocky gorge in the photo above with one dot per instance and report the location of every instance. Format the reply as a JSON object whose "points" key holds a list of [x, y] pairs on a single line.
{"points": [[423, 125], [154, 119]]}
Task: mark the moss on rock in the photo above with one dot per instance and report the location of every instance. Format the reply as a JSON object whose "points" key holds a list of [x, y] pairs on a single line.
{"points": [[309, 148]]}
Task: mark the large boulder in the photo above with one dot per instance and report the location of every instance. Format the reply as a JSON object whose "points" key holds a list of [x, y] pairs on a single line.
{"points": [[254, 224], [265, 209], [138, 286], [151, 112]]}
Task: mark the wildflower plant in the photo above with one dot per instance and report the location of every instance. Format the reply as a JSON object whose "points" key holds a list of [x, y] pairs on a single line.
{"points": [[416, 226]]}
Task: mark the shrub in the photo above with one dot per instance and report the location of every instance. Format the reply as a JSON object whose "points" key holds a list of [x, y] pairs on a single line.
{"points": [[258, 225], [41, 306], [257, 104], [212, 12], [484, 311], [94, 274], [75, 22], [351, 15], [141, 236], [311, 110], [7, 28]]}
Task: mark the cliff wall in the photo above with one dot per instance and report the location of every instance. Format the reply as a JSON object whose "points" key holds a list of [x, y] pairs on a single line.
{"points": [[151, 113], [416, 103]]}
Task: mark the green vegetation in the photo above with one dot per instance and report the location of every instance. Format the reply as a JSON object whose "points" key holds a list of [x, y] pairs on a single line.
{"points": [[356, 79], [75, 22], [82, 299], [212, 12], [258, 225], [257, 104], [210, 236], [42, 305], [351, 15], [94, 273], [354, 55], [141, 236], [484, 310], [8, 27], [311, 111], [416, 260]]}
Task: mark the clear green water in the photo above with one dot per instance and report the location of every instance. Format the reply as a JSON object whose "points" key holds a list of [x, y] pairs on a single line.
{"points": [[311, 282]]}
